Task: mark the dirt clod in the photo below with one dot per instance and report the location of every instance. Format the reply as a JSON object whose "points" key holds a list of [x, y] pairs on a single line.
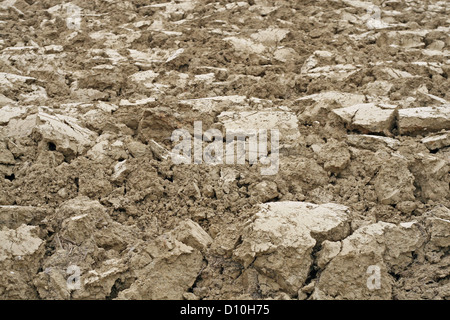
{"points": [[348, 197]]}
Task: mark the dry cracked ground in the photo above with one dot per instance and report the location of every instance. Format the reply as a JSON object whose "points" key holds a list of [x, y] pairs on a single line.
{"points": [[92, 205]]}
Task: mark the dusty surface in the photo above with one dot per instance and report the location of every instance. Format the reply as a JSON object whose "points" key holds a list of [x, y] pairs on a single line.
{"points": [[93, 207]]}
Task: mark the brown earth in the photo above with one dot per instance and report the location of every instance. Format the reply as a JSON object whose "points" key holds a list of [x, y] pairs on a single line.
{"points": [[87, 180]]}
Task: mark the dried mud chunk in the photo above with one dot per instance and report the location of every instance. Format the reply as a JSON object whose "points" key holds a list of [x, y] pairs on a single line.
{"points": [[361, 269], [130, 113], [88, 223], [406, 207], [54, 282], [344, 99], [137, 149], [14, 216], [226, 240], [121, 170], [322, 64], [378, 88], [4, 101], [6, 157], [99, 283], [245, 45], [440, 231], [270, 36], [9, 112], [435, 142], [424, 281], [401, 242], [94, 185], [144, 78], [372, 142], [424, 119], [64, 132], [97, 120], [21, 251], [172, 271], [437, 222], [394, 182], [9, 81], [284, 121], [334, 155], [317, 107], [407, 38], [191, 234], [279, 240], [144, 179], [88, 95], [179, 59], [304, 173], [53, 49], [190, 296], [368, 117], [425, 277], [21, 242], [431, 177], [285, 55], [265, 190], [329, 250], [158, 123]]}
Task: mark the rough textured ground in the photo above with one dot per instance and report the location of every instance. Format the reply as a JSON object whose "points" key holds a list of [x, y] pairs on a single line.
{"points": [[89, 193]]}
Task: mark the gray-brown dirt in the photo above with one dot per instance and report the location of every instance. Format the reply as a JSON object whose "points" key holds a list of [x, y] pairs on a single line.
{"points": [[89, 194]]}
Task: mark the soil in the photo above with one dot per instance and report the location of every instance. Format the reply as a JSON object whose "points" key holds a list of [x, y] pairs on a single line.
{"points": [[89, 191]]}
